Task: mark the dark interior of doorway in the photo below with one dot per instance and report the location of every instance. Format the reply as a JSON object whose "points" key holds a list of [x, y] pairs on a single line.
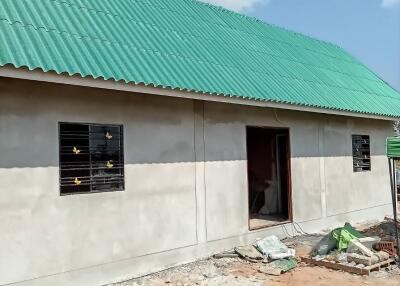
{"points": [[268, 163]]}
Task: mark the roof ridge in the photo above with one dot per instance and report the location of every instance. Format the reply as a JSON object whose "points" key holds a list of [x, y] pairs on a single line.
{"points": [[252, 18], [374, 73]]}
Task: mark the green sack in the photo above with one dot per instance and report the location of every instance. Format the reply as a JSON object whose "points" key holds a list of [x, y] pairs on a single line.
{"points": [[285, 264], [343, 235], [279, 266]]}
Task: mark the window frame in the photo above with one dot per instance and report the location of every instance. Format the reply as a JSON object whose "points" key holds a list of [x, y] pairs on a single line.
{"points": [[362, 170], [122, 159]]}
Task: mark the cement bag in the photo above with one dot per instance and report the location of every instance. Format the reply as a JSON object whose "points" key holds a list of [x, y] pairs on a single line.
{"points": [[325, 246], [273, 248]]}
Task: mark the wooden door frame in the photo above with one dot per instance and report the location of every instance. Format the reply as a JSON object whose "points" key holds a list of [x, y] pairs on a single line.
{"points": [[289, 172]]}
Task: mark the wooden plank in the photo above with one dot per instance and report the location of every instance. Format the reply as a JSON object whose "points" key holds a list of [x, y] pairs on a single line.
{"points": [[336, 266], [380, 264], [347, 268]]}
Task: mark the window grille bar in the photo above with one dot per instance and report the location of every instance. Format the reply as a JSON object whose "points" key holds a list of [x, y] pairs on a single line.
{"points": [[91, 158]]}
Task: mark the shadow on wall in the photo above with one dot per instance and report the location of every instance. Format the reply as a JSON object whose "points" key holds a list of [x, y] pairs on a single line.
{"points": [[158, 130]]}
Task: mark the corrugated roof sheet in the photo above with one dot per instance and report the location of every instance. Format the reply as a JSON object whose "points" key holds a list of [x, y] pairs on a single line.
{"points": [[188, 45]]}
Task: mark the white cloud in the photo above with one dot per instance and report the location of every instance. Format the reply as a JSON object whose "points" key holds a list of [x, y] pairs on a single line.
{"points": [[390, 3], [239, 5]]}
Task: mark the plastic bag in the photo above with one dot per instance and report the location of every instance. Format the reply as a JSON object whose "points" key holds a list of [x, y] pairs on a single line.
{"points": [[273, 248]]}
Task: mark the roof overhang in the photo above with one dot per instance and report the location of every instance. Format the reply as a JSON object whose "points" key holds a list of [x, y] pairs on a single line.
{"points": [[52, 77]]}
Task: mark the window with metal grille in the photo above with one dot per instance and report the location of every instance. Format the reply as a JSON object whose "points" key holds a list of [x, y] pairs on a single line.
{"points": [[361, 153], [91, 158]]}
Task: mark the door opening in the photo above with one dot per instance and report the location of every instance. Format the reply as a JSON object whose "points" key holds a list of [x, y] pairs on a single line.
{"points": [[397, 166], [268, 164]]}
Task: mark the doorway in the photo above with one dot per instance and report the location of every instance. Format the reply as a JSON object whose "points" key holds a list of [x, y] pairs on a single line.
{"points": [[268, 167], [397, 173]]}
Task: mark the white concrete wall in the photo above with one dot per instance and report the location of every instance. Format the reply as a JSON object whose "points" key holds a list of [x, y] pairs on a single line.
{"points": [[186, 182], [323, 181]]}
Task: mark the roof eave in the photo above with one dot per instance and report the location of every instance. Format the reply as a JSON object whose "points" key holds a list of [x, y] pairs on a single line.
{"points": [[52, 77]]}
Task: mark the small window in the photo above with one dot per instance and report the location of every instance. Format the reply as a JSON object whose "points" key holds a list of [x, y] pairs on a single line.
{"points": [[361, 153], [91, 158]]}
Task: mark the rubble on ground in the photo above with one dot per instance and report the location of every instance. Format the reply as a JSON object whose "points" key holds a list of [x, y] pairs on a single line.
{"points": [[347, 249], [270, 261], [385, 230]]}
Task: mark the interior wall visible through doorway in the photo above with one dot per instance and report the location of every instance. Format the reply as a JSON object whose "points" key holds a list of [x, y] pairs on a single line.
{"points": [[268, 159]]}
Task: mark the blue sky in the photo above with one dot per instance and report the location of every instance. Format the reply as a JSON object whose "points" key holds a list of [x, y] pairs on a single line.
{"points": [[368, 29]]}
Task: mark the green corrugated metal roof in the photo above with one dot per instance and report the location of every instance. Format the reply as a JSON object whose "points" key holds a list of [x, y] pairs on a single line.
{"points": [[188, 45]]}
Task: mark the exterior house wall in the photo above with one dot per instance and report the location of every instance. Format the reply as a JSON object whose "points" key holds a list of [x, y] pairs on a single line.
{"points": [[186, 182]]}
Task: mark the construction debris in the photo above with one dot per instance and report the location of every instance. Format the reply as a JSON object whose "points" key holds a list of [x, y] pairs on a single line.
{"points": [[369, 242], [276, 256], [353, 252], [229, 269], [386, 246], [343, 249], [273, 248], [344, 235], [227, 254], [350, 267], [249, 252], [386, 230], [326, 245], [278, 267], [367, 260], [355, 246]]}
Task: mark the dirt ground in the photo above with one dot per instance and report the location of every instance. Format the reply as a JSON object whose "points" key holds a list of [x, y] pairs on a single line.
{"points": [[239, 272]]}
